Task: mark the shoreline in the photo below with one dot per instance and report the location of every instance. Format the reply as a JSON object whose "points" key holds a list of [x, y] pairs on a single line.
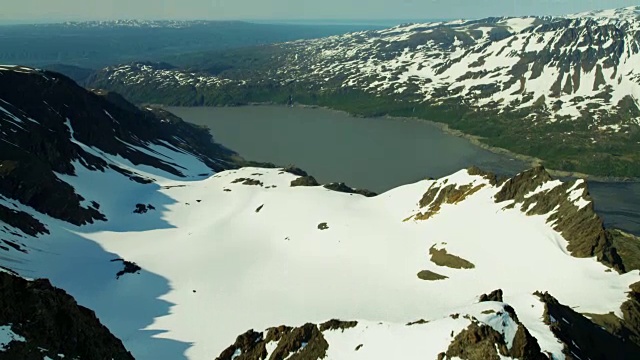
{"points": [[475, 140]]}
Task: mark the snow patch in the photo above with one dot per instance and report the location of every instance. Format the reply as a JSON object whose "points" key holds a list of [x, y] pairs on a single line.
{"points": [[7, 336]]}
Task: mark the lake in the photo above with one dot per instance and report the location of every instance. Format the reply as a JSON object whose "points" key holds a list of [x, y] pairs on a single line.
{"points": [[377, 154]]}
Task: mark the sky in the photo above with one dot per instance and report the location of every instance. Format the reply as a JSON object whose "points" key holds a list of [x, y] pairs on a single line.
{"points": [[14, 11]]}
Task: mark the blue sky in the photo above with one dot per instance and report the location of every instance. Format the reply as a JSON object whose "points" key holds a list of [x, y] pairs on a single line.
{"points": [[48, 10]]}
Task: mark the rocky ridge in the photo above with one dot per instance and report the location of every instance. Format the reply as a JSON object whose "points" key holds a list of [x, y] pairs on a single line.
{"points": [[46, 322], [49, 123]]}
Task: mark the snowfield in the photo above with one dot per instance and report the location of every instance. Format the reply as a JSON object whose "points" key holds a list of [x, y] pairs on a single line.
{"points": [[220, 256]]}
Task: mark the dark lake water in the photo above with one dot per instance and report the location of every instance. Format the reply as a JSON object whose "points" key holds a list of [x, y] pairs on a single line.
{"points": [[377, 154]]}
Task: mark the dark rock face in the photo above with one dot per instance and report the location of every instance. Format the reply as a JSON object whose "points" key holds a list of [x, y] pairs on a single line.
{"points": [[631, 311], [22, 221], [50, 319], [480, 341], [436, 196], [295, 171], [129, 267], [582, 228], [582, 338], [43, 112], [341, 187], [247, 181], [302, 343], [520, 185], [304, 181], [495, 295], [477, 342], [336, 324], [143, 209], [493, 178]]}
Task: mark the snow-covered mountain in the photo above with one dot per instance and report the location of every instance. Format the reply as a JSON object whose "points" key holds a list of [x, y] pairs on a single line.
{"points": [[564, 90], [178, 252], [581, 65]]}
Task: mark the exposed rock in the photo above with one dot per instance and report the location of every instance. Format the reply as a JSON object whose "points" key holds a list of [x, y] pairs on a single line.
{"points": [[52, 323], [335, 324], [522, 184], [442, 258], [301, 343], [23, 221], [581, 227], [430, 275], [494, 179], [304, 181], [259, 208], [247, 181], [143, 209], [477, 342], [480, 341], [417, 322], [323, 226], [495, 295], [51, 110], [129, 267], [341, 187], [435, 197], [295, 171], [583, 338]]}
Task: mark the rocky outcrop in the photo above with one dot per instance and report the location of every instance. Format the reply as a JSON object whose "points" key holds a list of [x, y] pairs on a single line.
{"points": [[248, 181], [23, 221], [439, 194], [47, 120], [304, 181], [52, 323], [477, 342], [493, 178], [129, 267], [480, 341], [582, 337], [495, 295], [430, 275], [580, 226], [301, 343], [336, 324], [342, 187], [441, 257]]}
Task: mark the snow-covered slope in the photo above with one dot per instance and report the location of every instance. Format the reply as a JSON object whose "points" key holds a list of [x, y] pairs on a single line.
{"points": [[184, 258], [220, 255]]}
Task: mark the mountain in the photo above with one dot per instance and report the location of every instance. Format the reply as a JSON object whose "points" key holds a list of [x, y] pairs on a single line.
{"points": [[180, 251], [561, 89]]}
